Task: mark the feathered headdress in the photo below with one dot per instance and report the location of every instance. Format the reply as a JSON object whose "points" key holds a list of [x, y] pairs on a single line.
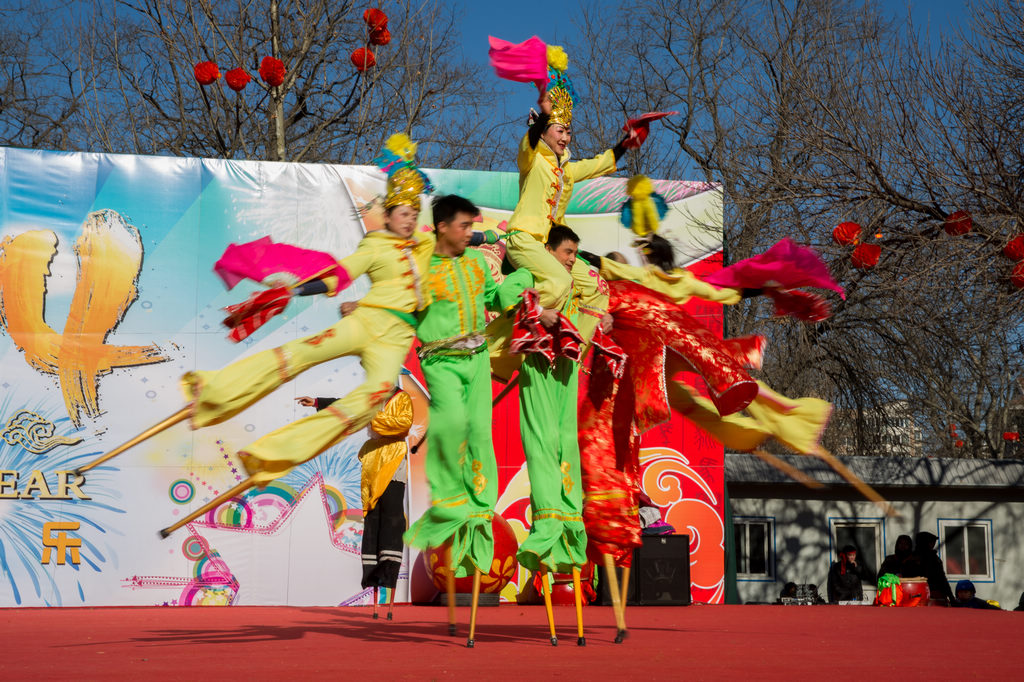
{"points": [[560, 89], [406, 182]]}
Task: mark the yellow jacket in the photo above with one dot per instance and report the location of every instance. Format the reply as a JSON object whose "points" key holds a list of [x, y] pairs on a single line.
{"points": [[545, 185], [382, 456], [398, 269], [680, 285]]}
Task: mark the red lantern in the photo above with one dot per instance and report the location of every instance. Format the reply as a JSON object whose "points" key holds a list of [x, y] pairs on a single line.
{"points": [[206, 73], [375, 19], [865, 256], [272, 71], [1014, 249], [959, 444], [380, 36], [846, 234], [1017, 276], [363, 59], [957, 223], [503, 566], [1011, 435], [237, 79]]}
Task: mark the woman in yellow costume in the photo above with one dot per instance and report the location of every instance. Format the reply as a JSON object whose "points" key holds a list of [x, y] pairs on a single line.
{"points": [[380, 332]]}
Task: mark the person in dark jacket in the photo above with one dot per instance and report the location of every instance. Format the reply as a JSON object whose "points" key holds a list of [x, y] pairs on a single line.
{"points": [[924, 562], [966, 599], [845, 576], [894, 562]]}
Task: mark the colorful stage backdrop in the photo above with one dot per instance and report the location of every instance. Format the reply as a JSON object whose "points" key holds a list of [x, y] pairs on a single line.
{"points": [[107, 296]]}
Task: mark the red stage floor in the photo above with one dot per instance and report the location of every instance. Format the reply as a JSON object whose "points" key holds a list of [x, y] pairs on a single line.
{"points": [[665, 643]]}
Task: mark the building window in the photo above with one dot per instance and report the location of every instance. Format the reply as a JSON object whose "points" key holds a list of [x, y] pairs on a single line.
{"points": [[864, 534], [966, 548], [755, 541]]}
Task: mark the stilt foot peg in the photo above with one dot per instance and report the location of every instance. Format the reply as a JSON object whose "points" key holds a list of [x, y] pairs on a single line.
{"points": [[581, 641], [620, 636], [554, 641], [470, 643]]}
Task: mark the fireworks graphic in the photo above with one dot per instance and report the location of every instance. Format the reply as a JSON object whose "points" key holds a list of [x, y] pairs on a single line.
{"points": [[339, 467], [22, 520]]}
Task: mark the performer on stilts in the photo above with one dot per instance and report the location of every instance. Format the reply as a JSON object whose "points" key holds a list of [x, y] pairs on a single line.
{"points": [[460, 466], [379, 332], [547, 395], [384, 462]]}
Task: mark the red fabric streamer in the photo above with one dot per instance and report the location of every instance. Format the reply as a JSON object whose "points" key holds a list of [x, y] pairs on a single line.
{"points": [[640, 127], [246, 317], [787, 265], [803, 305], [257, 260]]}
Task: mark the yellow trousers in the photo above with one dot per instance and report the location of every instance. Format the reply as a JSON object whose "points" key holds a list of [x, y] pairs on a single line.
{"points": [[552, 281], [379, 338]]}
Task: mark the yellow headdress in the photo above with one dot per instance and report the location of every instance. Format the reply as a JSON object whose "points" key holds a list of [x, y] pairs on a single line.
{"points": [[406, 182], [560, 89]]}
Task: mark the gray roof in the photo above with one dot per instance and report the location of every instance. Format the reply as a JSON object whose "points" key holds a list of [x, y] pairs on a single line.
{"points": [[884, 471]]}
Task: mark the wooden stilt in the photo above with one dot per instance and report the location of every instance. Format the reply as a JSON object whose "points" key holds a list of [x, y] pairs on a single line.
{"points": [[181, 415], [618, 605], [864, 489], [625, 589], [212, 504], [376, 598], [450, 585], [577, 590], [546, 589], [471, 642], [391, 601], [786, 468]]}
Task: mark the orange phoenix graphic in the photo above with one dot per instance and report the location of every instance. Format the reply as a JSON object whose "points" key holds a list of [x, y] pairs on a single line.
{"points": [[109, 253]]}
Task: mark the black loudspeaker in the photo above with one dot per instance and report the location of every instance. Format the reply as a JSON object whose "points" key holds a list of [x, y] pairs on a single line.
{"points": [[660, 575], [662, 570]]}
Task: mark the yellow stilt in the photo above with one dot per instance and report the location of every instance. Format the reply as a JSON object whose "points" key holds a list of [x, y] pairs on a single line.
{"points": [[391, 601], [212, 504], [450, 585], [625, 589], [618, 604], [181, 415], [546, 589], [472, 608], [376, 598], [577, 590]]}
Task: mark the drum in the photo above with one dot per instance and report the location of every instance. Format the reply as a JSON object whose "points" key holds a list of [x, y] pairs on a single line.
{"points": [[915, 592]]}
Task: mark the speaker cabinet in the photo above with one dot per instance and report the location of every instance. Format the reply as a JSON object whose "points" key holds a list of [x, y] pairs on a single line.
{"points": [[660, 575]]}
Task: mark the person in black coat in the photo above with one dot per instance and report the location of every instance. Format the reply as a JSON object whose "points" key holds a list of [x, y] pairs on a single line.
{"points": [[894, 562], [845, 576], [924, 562]]}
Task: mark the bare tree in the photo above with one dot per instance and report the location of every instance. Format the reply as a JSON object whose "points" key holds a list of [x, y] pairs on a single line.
{"points": [[814, 112]]}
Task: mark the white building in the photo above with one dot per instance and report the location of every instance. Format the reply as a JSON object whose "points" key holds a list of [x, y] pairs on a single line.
{"points": [[788, 533]]}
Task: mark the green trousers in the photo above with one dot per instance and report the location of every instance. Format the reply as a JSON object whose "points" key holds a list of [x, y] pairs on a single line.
{"points": [[461, 469], [547, 422]]}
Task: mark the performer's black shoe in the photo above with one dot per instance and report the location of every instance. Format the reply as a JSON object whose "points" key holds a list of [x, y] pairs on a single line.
{"points": [[620, 636], [389, 615], [375, 616], [582, 641]]}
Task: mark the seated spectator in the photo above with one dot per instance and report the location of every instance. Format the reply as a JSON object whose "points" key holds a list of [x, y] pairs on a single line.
{"points": [[1020, 603], [924, 562], [965, 598], [845, 576], [788, 592], [894, 562]]}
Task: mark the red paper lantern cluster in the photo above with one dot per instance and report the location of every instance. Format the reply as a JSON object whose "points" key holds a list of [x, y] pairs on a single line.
{"points": [[1011, 435], [272, 71], [864, 255], [206, 73], [377, 27]]}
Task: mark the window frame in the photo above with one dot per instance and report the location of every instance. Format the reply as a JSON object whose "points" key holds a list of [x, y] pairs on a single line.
{"points": [[942, 523], [769, 576]]}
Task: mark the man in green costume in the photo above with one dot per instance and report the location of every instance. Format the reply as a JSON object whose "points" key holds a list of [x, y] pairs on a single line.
{"points": [[460, 464], [547, 422]]}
